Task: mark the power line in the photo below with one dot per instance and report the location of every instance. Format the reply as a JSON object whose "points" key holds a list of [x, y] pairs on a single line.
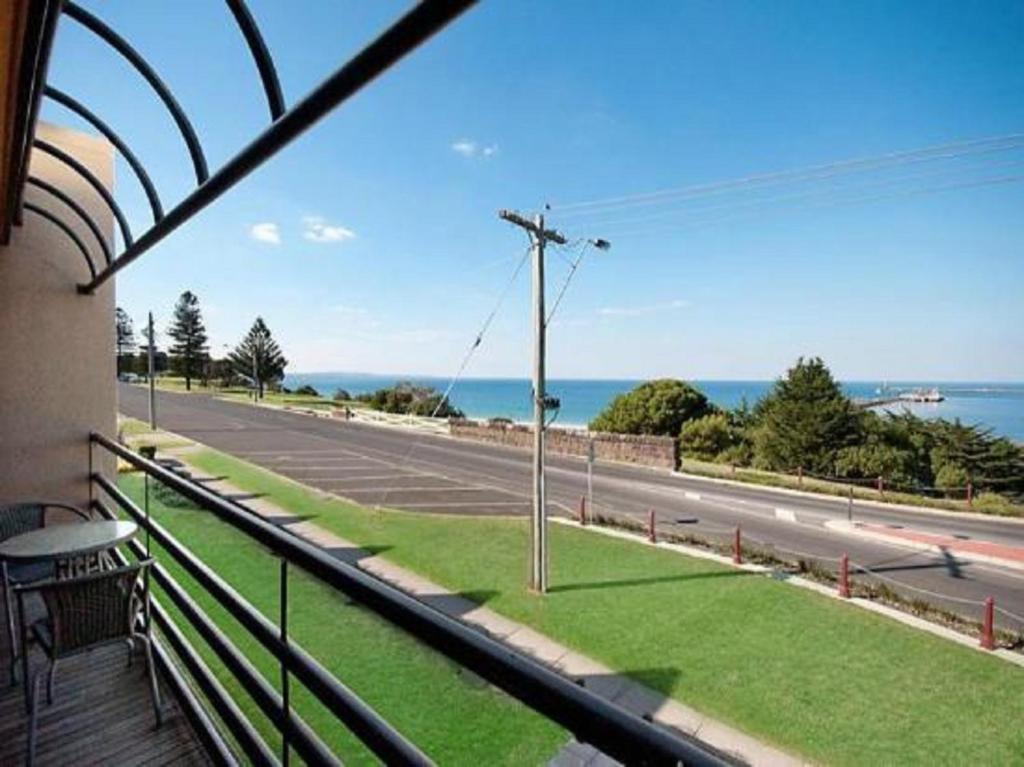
{"points": [[997, 181], [806, 194], [483, 329], [573, 266], [952, 150]]}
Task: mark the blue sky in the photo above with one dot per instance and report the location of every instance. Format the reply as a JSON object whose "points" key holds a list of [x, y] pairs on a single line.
{"points": [[372, 243]]}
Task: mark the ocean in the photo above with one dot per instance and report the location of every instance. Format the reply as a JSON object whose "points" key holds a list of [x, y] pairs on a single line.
{"points": [[998, 406]]}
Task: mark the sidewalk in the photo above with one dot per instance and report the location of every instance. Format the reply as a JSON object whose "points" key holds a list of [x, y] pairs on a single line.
{"points": [[599, 679]]}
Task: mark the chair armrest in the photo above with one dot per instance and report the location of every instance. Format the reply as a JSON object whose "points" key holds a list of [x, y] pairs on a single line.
{"points": [[82, 513]]}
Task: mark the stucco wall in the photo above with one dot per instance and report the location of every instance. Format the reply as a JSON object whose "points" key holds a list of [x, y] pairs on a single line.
{"points": [[57, 378], [661, 452]]}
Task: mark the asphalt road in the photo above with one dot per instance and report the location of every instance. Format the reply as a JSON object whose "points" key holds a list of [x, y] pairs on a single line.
{"points": [[434, 474]]}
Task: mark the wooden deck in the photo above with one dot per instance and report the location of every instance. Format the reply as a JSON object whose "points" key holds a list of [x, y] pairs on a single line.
{"points": [[101, 715]]}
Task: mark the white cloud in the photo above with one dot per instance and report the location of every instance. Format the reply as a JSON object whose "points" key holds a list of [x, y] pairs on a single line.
{"points": [[469, 148], [316, 229], [465, 147], [637, 311], [266, 232]]}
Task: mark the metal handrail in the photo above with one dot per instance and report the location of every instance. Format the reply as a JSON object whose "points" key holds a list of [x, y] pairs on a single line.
{"points": [[592, 719], [362, 720]]}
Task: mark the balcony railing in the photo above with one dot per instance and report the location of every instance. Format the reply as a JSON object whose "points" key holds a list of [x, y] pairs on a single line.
{"points": [[590, 718]]}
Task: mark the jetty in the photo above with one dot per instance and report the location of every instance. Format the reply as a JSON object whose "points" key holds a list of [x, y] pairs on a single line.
{"points": [[917, 395]]}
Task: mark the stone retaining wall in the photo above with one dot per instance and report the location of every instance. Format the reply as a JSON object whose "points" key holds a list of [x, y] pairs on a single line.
{"points": [[661, 452]]}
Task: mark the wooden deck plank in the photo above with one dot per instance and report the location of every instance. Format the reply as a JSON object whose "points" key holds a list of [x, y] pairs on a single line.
{"points": [[101, 714]]}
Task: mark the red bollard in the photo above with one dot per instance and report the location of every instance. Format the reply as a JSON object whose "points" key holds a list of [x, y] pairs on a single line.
{"points": [[881, 486], [652, 534], [800, 476], [970, 495], [737, 548], [844, 577], [988, 636], [583, 510]]}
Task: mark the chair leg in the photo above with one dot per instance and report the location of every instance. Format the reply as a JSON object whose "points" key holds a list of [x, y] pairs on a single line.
{"points": [[49, 682], [154, 690], [131, 651], [30, 756], [12, 639]]}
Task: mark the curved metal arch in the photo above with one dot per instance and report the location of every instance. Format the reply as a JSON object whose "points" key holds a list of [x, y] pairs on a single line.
{"points": [[66, 229], [261, 55], [65, 198], [90, 117], [119, 44], [95, 183]]}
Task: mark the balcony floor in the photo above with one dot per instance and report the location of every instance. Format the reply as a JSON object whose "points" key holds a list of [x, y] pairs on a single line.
{"points": [[101, 714]]}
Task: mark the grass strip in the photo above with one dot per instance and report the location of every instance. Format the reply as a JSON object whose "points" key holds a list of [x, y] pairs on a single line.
{"points": [[450, 713]]}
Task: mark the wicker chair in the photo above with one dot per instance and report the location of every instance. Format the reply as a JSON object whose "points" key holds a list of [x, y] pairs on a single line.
{"points": [[85, 613], [16, 519]]}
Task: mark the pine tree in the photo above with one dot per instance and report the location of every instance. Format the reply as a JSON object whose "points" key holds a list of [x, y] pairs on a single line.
{"points": [[188, 352], [258, 358], [804, 421], [124, 340]]}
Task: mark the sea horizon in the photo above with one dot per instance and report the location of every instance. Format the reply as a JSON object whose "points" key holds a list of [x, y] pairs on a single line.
{"points": [[997, 405]]}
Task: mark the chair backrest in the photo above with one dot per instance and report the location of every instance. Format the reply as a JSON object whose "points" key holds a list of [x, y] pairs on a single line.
{"points": [[93, 609], [18, 518]]}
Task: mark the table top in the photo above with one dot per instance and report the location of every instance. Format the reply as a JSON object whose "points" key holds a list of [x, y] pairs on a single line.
{"points": [[64, 541]]}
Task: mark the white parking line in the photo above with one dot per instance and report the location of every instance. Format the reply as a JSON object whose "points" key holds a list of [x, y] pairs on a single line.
{"points": [[378, 477], [691, 495], [457, 505], [393, 490]]}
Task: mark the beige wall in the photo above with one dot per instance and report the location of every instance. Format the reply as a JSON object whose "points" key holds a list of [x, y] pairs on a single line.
{"points": [[57, 372]]}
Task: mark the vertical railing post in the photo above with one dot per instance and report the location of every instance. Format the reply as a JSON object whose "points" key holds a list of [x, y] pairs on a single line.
{"points": [[970, 494], [652, 533], [286, 709], [849, 506], [988, 634], [844, 577], [737, 547]]}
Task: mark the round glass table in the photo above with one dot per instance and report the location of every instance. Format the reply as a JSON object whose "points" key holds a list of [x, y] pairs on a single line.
{"points": [[69, 541]]}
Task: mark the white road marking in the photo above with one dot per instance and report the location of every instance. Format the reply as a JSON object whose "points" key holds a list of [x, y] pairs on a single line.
{"points": [[691, 495], [785, 514]]}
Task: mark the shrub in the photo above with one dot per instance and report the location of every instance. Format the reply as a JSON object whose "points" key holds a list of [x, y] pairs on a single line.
{"points": [[307, 391], [876, 460], [993, 503], [659, 407], [952, 477], [342, 395]]}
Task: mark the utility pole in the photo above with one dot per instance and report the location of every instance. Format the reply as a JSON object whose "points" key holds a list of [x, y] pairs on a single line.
{"points": [[539, 236], [151, 367]]}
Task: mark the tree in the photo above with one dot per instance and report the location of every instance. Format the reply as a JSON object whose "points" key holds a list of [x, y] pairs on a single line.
{"points": [[655, 407], [708, 437], [188, 352], [258, 358], [804, 421], [124, 340]]}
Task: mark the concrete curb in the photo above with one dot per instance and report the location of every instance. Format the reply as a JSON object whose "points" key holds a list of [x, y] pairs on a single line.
{"points": [[866, 604]]}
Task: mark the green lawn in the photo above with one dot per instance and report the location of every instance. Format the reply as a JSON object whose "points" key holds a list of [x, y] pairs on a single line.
{"points": [[449, 713], [812, 675]]}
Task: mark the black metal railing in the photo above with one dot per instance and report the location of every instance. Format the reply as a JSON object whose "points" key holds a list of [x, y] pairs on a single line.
{"points": [[591, 719]]}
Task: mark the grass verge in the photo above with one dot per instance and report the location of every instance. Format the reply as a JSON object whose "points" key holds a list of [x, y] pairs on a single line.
{"points": [[809, 674], [996, 505], [450, 713]]}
